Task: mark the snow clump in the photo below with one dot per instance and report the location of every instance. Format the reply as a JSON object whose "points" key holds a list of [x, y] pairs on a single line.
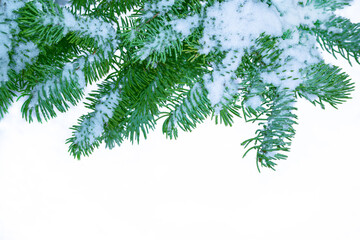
{"points": [[232, 27]]}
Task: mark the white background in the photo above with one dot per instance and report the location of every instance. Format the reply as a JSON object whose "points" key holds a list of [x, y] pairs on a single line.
{"points": [[197, 187]]}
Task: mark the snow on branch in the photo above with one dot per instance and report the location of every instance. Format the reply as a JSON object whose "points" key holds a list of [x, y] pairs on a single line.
{"points": [[92, 126], [183, 60], [8, 27]]}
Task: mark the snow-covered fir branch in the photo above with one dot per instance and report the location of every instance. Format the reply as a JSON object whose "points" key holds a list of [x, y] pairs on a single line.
{"points": [[69, 80], [102, 32], [181, 60]]}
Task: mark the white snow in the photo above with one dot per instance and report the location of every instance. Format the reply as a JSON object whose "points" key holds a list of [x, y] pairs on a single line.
{"points": [[165, 4], [8, 7], [271, 154], [216, 88], [222, 84], [335, 30], [70, 21], [70, 72], [38, 6], [293, 14], [163, 40], [24, 54], [184, 26], [4, 56], [103, 32], [312, 97], [254, 102], [62, 2], [235, 24], [159, 7]]}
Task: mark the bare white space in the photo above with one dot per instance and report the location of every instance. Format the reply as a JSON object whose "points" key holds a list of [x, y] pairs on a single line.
{"points": [[197, 187]]}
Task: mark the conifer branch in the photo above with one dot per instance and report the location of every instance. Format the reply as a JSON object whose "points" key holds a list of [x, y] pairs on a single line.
{"points": [[179, 61], [325, 83], [189, 108], [331, 38], [274, 138]]}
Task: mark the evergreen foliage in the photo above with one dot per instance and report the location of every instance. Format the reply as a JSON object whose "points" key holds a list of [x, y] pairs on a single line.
{"points": [[177, 60]]}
